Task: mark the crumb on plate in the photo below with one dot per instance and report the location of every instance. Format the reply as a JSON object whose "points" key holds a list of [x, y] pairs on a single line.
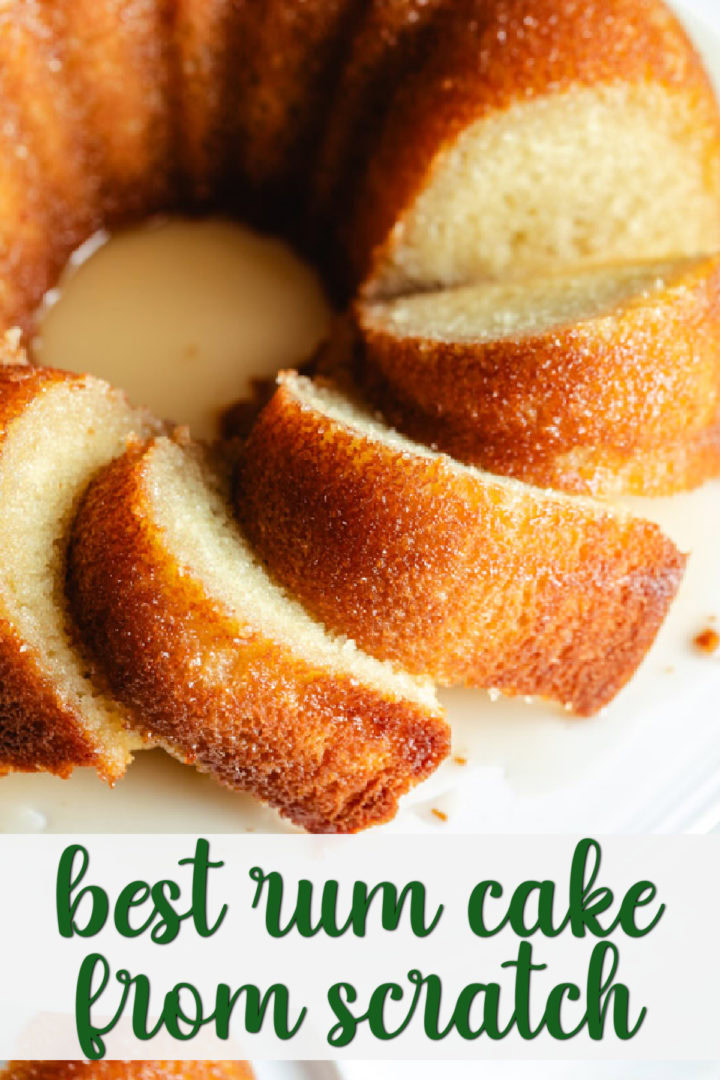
{"points": [[708, 641]]}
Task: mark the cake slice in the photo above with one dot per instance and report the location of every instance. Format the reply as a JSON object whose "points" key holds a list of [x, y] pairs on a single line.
{"points": [[225, 670], [443, 569], [56, 431], [604, 381], [536, 134]]}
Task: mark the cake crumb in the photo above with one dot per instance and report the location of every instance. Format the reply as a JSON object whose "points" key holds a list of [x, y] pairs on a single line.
{"points": [[708, 641], [440, 814], [459, 760]]}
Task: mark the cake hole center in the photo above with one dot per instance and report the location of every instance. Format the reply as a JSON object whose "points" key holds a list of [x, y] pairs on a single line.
{"points": [[182, 315]]}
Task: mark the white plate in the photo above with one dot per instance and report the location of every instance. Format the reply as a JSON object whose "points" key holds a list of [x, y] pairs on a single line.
{"points": [[650, 762]]}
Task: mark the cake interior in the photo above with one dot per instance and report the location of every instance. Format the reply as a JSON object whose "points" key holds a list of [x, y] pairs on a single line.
{"points": [[521, 307], [594, 174], [49, 455]]}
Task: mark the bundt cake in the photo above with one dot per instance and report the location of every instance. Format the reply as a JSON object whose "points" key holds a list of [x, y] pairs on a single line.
{"points": [[126, 1070], [224, 669], [444, 569], [603, 380], [47, 194], [409, 145], [56, 431], [539, 132]]}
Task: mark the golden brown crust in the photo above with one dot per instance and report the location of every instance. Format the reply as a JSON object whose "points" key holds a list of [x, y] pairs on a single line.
{"points": [[624, 403], [387, 43], [37, 733], [49, 202], [328, 751], [486, 57], [116, 57], [447, 574], [127, 1070], [205, 84], [288, 59], [37, 730]]}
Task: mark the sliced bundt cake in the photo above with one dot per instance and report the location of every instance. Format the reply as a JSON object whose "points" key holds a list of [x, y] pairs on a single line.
{"points": [[56, 431], [465, 140], [538, 133], [226, 671], [603, 381], [446, 570]]}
